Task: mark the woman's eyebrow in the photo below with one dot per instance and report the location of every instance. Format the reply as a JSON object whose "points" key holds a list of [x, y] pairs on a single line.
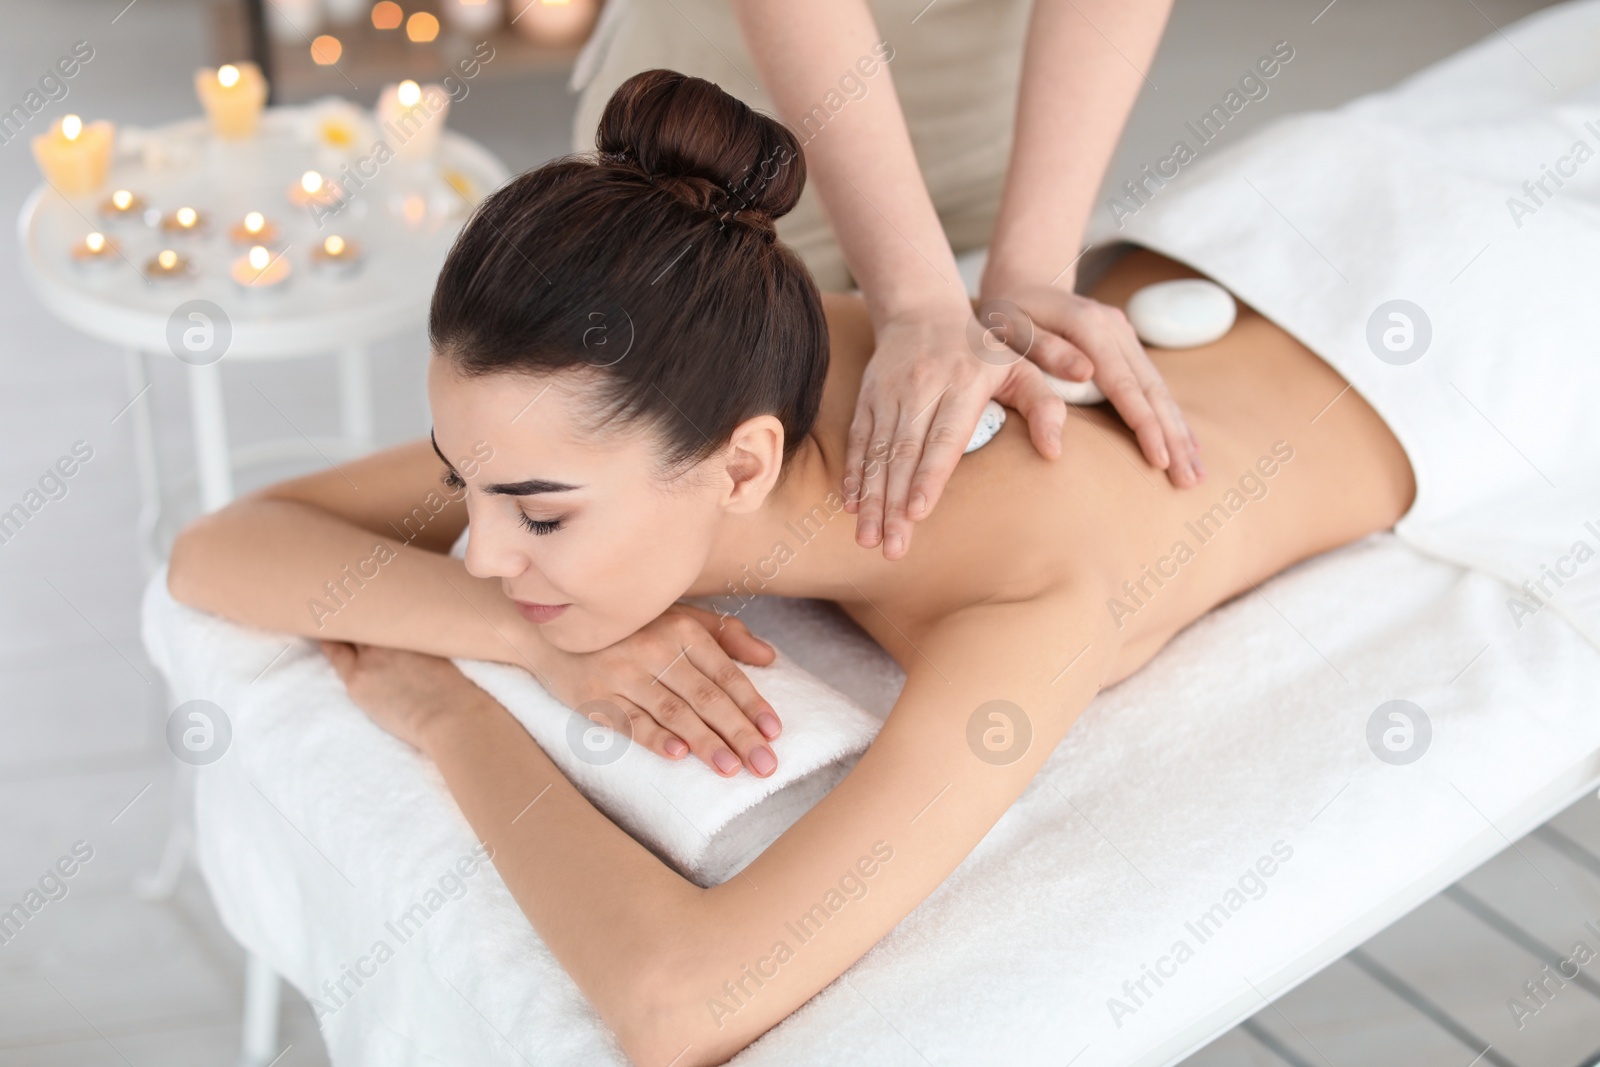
{"points": [[531, 487]]}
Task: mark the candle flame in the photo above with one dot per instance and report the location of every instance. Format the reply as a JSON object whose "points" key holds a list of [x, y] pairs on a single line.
{"points": [[228, 76], [311, 182], [259, 258], [122, 198], [409, 93], [414, 208], [187, 216], [168, 259], [334, 245], [254, 221], [95, 242], [71, 127]]}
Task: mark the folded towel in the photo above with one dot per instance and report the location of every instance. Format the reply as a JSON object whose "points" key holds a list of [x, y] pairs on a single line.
{"points": [[682, 810]]}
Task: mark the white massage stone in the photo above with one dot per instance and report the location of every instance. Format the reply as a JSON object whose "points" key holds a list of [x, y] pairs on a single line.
{"points": [[1184, 313], [989, 423]]}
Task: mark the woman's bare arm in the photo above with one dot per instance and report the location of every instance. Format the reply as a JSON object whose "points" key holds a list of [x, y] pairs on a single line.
{"points": [[358, 554], [354, 554], [669, 965]]}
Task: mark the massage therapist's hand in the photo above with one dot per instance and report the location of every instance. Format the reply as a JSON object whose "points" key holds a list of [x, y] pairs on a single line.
{"points": [[1076, 338], [404, 692], [676, 684], [921, 397]]}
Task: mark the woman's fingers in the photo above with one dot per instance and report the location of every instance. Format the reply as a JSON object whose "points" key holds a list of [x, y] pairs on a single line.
{"points": [[733, 635], [954, 420], [1059, 356], [873, 479], [1027, 391], [716, 730], [645, 731]]}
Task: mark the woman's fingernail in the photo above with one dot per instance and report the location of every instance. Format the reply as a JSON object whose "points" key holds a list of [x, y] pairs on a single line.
{"points": [[919, 504], [869, 534], [768, 724], [762, 761], [675, 747], [896, 543], [1199, 468], [725, 761]]}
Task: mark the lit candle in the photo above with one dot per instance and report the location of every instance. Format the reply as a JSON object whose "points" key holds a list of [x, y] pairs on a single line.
{"points": [[233, 96], [123, 206], [96, 250], [412, 117], [254, 229], [313, 188], [185, 221], [335, 255], [74, 157], [167, 265], [260, 269]]}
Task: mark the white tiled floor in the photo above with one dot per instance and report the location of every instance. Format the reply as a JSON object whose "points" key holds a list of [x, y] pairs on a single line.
{"points": [[101, 977]]}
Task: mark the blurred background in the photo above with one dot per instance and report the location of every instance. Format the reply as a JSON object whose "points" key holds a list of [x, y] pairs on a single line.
{"points": [[108, 975]]}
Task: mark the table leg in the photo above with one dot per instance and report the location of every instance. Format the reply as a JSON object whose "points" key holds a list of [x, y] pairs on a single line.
{"points": [[210, 436], [258, 1046], [144, 458], [355, 396]]}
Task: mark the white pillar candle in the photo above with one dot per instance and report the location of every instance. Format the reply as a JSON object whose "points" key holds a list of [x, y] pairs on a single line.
{"points": [[411, 119]]}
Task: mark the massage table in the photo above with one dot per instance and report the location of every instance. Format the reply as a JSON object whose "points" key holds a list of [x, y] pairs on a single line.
{"points": [[1213, 831]]}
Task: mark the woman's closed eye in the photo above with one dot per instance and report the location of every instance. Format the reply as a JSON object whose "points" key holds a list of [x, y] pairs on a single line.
{"points": [[540, 527], [451, 480]]}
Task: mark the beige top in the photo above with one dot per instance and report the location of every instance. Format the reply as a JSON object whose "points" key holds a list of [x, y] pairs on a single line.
{"points": [[955, 64]]}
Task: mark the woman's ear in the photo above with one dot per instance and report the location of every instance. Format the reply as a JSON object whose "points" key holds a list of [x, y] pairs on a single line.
{"points": [[755, 459]]}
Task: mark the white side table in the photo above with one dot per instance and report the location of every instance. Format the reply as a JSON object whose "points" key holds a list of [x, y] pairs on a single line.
{"points": [[403, 215]]}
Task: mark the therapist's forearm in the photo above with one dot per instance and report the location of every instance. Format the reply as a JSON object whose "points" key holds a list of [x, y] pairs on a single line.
{"points": [[1083, 67], [861, 159]]}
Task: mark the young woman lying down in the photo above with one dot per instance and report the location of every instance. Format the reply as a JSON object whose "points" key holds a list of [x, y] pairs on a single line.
{"points": [[638, 396]]}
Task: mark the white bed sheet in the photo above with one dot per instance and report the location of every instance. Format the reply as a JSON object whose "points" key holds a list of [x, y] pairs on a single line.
{"points": [[1249, 729]]}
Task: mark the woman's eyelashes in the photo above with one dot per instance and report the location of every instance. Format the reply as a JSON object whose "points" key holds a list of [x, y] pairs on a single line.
{"points": [[452, 481], [539, 527]]}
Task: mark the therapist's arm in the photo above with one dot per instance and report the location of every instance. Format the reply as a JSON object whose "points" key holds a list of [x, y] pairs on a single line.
{"points": [[1084, 64], [924, 388]]}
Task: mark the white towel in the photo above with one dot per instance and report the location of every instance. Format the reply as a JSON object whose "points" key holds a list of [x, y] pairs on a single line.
{"points": [[1321, 220], [685, 812]]}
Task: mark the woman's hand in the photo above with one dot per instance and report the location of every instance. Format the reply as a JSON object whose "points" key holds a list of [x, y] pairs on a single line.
{"points": [[406, 693], [674, 688], [921, 397], [1077, 338]]}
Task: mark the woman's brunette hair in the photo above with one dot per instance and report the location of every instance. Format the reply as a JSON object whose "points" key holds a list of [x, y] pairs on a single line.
{"points": [[654, 267]]}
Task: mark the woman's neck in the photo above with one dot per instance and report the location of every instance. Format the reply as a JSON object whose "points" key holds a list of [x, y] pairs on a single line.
{"points": [[800, 543]]}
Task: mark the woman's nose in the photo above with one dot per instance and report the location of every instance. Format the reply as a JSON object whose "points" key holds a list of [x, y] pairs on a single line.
{"points": [[490, 555]]}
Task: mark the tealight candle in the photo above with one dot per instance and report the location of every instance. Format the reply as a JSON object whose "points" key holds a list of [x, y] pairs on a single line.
{"points": [[167, 265], [335, 255], [96, 250], [233, 96], [413, 117], [185, 221], [123, 206], [313, 188], [74, 157], [260, 269], [254, 229]]}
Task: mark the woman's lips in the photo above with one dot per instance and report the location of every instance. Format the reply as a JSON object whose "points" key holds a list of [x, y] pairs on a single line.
{"points": [[540, 613]]}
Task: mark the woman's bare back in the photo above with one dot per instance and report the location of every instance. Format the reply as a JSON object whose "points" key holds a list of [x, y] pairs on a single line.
{"points": [[1297, 464]]}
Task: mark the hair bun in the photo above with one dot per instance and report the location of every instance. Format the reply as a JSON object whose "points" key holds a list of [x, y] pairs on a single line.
{"points": [[708, 148]]}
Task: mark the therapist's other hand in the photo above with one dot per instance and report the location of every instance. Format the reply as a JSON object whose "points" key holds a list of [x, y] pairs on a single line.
{"points": [[921, 397], [677, 685], [406, 693], [1077, 338]]}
